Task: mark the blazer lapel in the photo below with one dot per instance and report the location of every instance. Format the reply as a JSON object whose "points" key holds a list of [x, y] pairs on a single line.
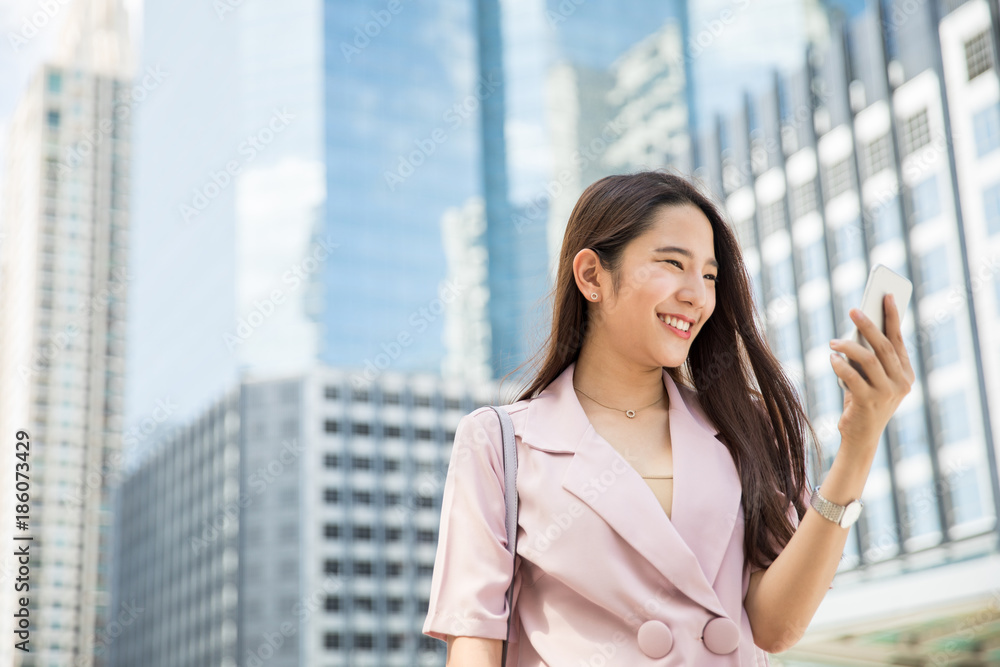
{"points": [[687, 548]]}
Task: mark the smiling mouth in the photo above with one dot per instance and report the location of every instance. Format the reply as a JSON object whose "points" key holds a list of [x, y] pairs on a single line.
{"points": [[675, 323]]}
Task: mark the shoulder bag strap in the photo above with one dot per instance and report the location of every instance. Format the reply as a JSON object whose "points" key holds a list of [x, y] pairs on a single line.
{"points": [[510, 500]]}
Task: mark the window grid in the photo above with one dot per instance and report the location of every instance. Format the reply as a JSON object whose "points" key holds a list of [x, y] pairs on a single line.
{"points": [[772, 217], [916, 132], [876, 156], [978, 54], [837, 178], [803, 199]]}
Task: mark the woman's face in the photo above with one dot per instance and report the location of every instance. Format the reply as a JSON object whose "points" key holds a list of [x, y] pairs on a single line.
{"points": [[667, 272]]}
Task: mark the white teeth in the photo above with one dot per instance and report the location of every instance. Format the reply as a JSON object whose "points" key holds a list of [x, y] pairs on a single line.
{"points": [[674, 322]]}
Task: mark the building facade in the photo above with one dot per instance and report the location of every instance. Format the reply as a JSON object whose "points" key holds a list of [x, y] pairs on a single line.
{"points": [[294, 522], [879, 151], [63, 293]]}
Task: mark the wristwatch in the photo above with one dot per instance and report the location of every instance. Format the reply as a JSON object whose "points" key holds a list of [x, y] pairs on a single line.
{"points": [[842, 515]]}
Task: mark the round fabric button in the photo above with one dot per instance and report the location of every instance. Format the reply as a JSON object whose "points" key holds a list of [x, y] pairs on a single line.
{"points": [[655, 639], [721, 635]]}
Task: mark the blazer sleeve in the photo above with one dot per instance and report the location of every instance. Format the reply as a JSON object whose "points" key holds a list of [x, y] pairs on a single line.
{"points": [[794, 518], [472, 567]]}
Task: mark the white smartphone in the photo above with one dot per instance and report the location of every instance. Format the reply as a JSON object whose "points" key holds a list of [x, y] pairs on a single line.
{"points": [[881, 281]]}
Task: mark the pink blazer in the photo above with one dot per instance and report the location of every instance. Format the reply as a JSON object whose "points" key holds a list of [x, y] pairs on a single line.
{"points": [[604, 576]]}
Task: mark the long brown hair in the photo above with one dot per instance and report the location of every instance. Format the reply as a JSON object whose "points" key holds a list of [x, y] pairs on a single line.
{"points": [[740, 384]]}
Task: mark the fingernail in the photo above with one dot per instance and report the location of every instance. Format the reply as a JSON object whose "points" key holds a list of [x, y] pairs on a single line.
{"points": [[892, 299]]}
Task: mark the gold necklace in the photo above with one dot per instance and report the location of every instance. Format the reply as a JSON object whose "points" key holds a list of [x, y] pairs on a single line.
{"points": [[628, 413]]}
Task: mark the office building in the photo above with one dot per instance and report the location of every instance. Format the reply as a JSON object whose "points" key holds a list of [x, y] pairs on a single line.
{"points": [[293, 522], [880, 150], [63, 291]]}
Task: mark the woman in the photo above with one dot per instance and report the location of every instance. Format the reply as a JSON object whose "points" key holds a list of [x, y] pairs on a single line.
{"points": [[661, 459]]}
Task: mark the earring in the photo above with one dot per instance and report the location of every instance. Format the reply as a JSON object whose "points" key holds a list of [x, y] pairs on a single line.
{"points": [[593, 295]]}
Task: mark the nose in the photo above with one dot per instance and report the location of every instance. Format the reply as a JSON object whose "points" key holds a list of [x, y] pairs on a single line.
{"points": [[693, 290]]}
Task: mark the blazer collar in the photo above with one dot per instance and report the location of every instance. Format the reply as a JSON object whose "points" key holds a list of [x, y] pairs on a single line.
{"points": [[688, 547]]}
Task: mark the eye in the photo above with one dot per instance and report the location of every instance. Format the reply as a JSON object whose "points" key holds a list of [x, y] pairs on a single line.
{"points": [[714, 278]]}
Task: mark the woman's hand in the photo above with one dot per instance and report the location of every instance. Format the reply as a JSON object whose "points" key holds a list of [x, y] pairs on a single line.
{"points": [[868, 404]]}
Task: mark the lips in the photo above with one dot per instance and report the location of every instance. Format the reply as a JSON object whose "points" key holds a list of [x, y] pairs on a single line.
{"points": [[676, 322], [674, 325]]}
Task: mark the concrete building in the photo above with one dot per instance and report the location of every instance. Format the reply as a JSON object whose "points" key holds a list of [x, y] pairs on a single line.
{"points": [[63, 293], [881, 150], [294, 522]]}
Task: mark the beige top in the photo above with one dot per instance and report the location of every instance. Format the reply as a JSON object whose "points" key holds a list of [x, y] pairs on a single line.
{"points": [[663, 488]]}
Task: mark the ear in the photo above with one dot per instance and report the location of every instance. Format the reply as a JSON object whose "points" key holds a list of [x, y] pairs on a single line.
{"points": [[588, 272]]}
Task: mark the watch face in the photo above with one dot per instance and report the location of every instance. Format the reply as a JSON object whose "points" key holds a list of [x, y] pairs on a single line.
{"points": [[851, 513]]}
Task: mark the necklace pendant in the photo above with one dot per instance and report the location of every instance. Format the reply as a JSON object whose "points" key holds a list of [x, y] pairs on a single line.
{"points": [[630, 413]]}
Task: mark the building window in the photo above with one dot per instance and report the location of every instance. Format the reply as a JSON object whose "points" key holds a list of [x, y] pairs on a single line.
{"points": [[359, 396], [991, 208], [360, 429], [884, 221], [331, 496], [392, 499], [426, 536], [781, 280], [744, 232], [422, 401], [361, 463], [934, 270], [772, 217], [837, 178], [362, 532], [331, 393], [849, 241], [392, 431], [362, 497], [820, 326], [451, 404], [876, 156], [331, 531], [786, 344], [952, 421], [53, 119], [920, 513], [986, 129], [911, 436], [925, 200], [395, 605], [393, 534], [331, 566], [332, 640], [331, 461], [942, 341], [396, 640], [390, 399], [331, 426], [916, 132], [363, 568], [332, 603], [978, 54], [363, 640], [55, 82], [423, 434], [394, 569], [425, 569], [880, 537], [390, 465], [803, 199], [812, 261], [966, 500]]}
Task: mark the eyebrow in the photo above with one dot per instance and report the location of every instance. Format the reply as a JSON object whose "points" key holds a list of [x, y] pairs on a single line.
{"points": [[685, 252]]}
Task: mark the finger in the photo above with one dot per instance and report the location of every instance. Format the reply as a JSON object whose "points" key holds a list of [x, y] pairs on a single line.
{"points": [[869, 362], [855, 383], [893, 329], [884, 350]]}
